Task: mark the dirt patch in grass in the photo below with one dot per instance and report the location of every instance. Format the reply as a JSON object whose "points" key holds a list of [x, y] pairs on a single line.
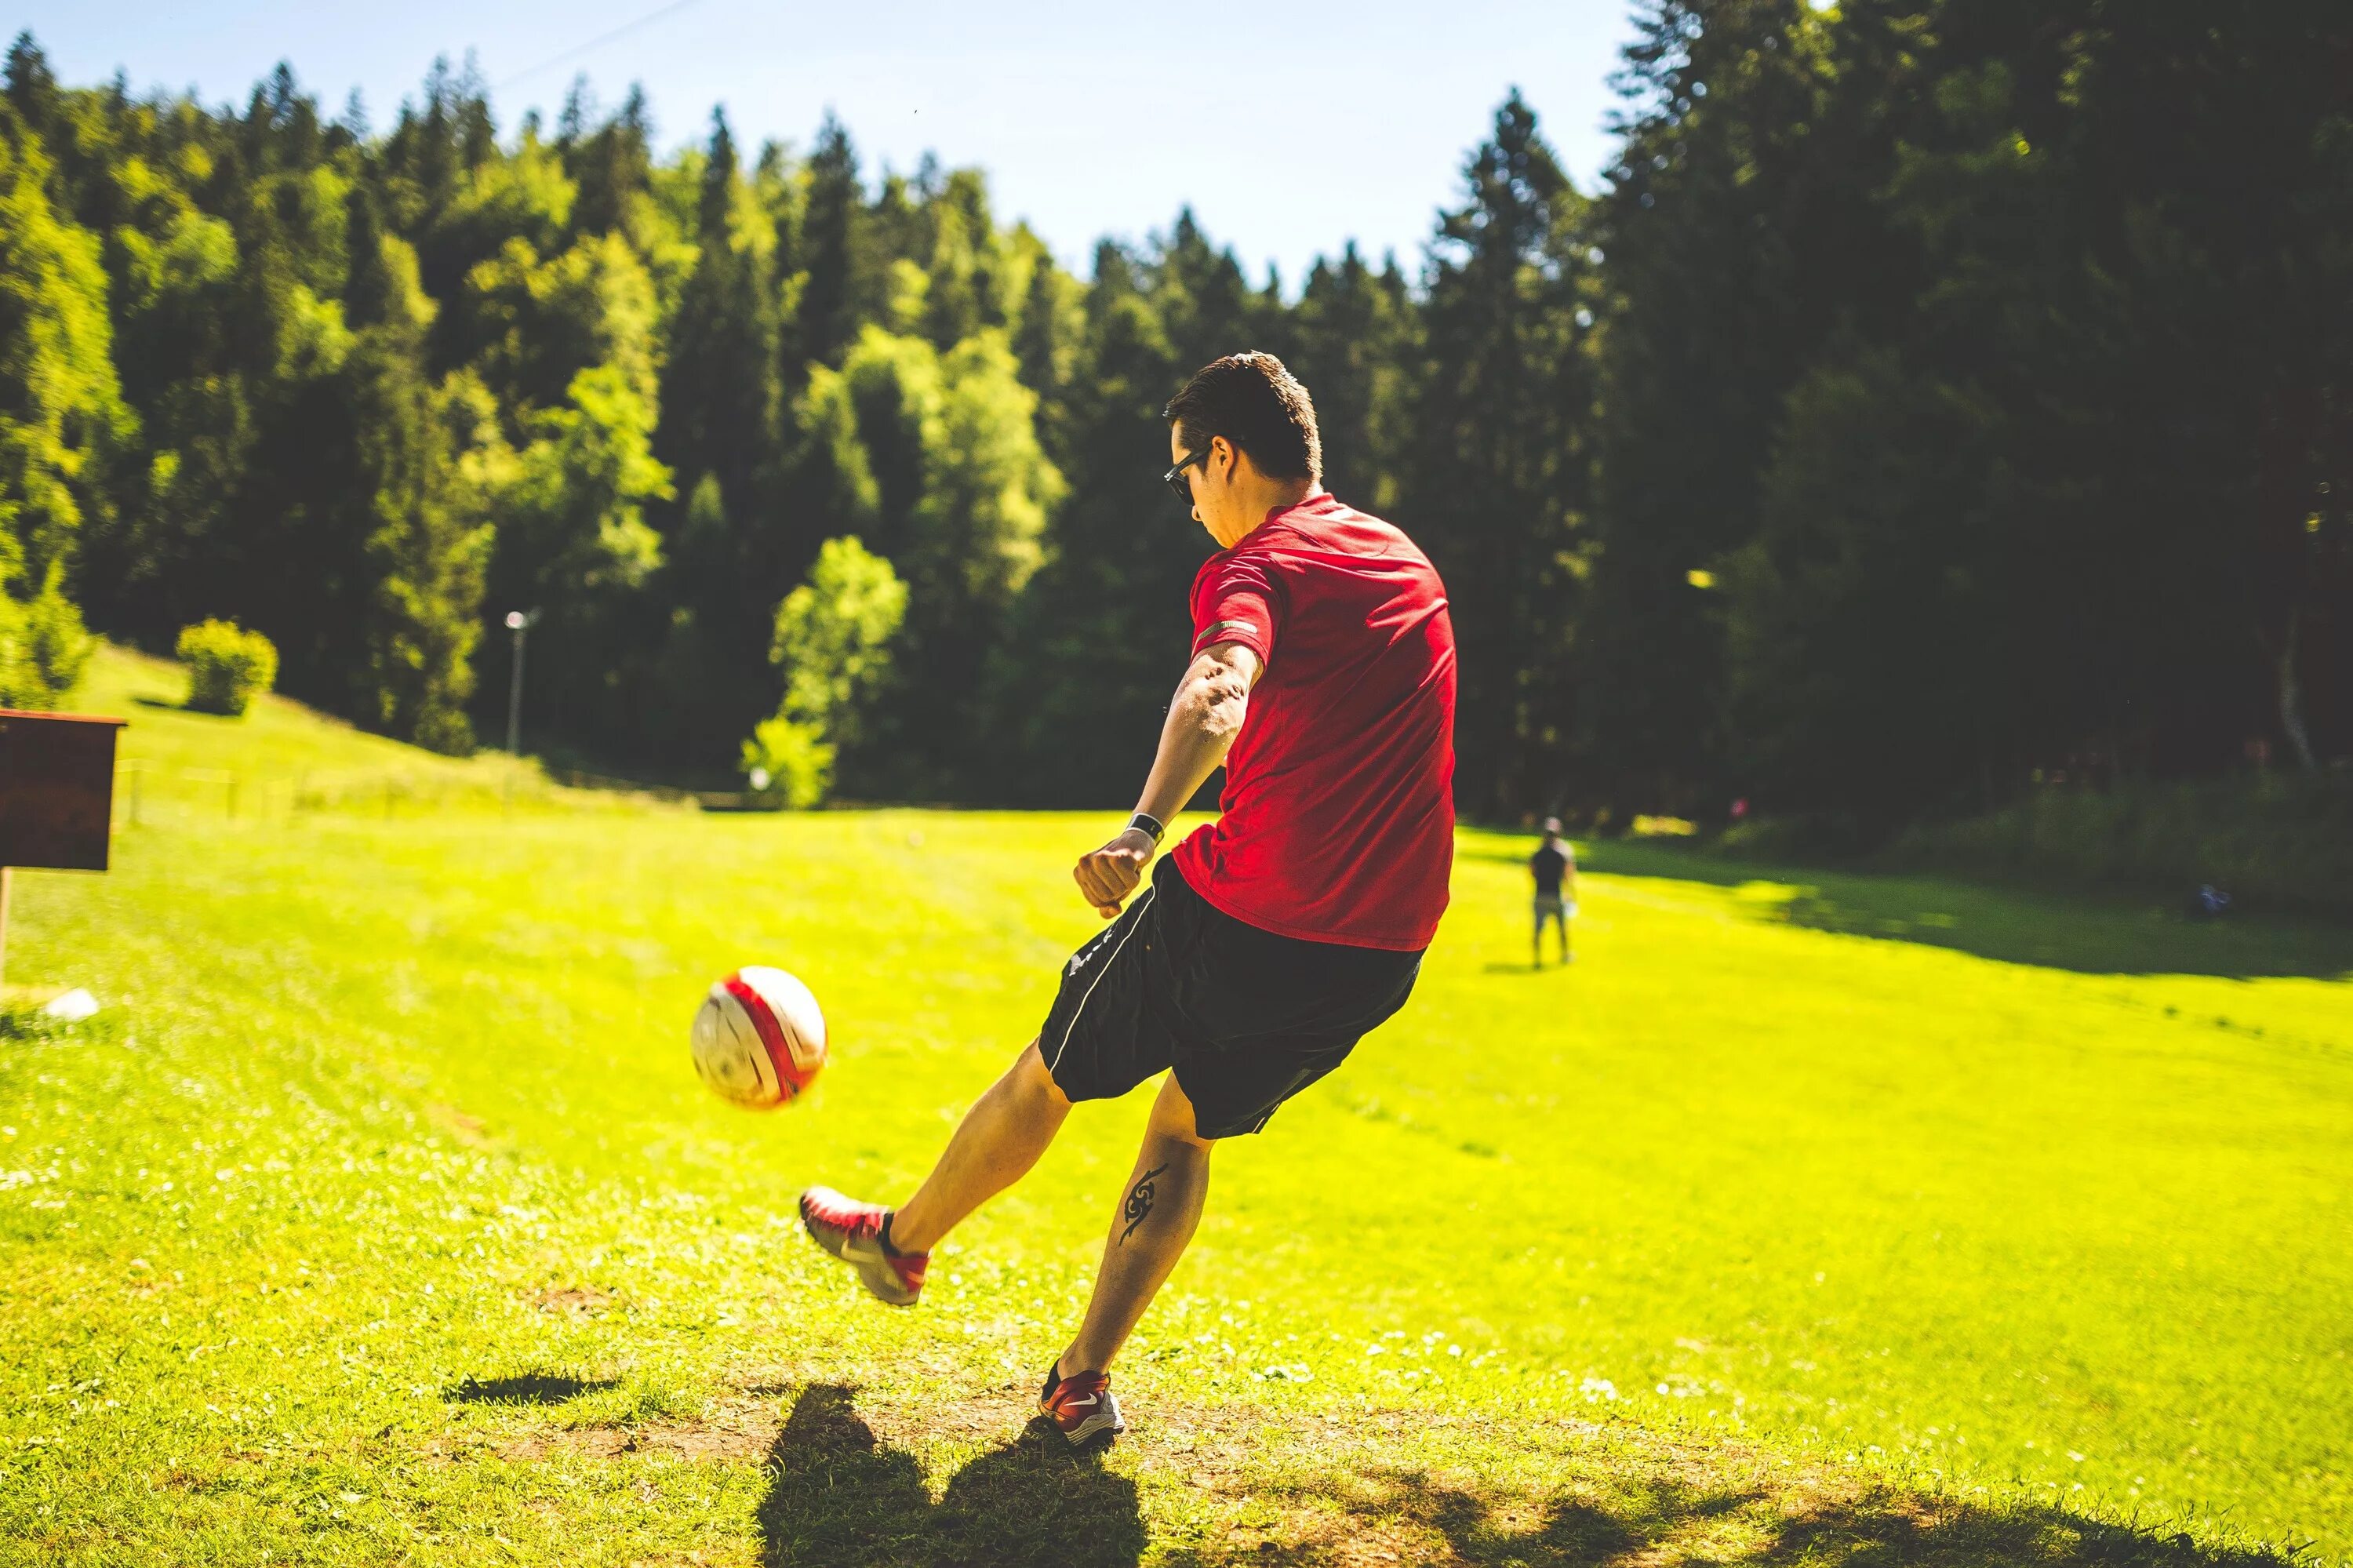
{"points": [[732, 1433], [469, 1130], [857, 1477], [573, 1300], [1196, 1485]]}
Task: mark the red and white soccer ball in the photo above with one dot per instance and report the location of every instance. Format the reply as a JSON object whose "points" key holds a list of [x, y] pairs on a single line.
{"points": [[760, 1038]]}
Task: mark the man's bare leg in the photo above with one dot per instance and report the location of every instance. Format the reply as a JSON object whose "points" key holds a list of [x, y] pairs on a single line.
{"points": [[1157, 1213], [994, 1147]]}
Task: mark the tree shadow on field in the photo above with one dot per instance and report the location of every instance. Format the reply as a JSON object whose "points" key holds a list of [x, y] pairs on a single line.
{"points": [[838, 1496], [1383, 1515], [526, 1388], [2085, 930], [173, 705]]}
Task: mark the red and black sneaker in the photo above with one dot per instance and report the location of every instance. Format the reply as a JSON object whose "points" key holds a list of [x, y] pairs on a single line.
{"points": [[1080, 1404], [854, 1233]]}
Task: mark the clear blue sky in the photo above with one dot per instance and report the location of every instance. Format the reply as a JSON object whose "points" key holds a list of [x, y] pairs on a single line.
{"points": [[1090, 119]]}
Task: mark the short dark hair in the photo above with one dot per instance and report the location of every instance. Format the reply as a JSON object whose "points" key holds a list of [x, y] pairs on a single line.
{"points": [[1252, 401]]}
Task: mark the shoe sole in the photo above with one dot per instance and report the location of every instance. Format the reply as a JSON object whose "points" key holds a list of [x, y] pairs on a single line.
{"points": [[873, 1269], [1101, 1422], [1087, 1430]]}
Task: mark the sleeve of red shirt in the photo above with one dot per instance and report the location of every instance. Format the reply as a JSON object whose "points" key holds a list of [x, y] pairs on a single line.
{"points": [[1236, 600]]}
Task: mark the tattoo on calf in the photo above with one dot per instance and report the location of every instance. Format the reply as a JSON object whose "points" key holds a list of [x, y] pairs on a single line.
{"points": [[1139, 1201]]}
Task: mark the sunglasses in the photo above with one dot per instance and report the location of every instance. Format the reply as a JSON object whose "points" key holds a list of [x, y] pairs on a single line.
{"points": [[1175, 477]]}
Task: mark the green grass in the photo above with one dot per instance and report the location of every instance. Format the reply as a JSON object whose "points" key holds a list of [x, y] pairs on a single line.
{"points": [[380, 1218]]}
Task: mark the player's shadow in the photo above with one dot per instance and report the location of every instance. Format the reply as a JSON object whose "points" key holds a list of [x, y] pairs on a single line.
{"points": [[838, 1496]]}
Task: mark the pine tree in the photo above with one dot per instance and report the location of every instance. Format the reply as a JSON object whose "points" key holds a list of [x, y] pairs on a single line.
{"points": [[426, 541], [1498, 476], [1352, 344], [720, 433], [612, 165], [826, 322]]}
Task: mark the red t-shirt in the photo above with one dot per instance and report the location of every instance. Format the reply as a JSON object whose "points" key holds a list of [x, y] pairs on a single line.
{"points": [[1337, 820]]}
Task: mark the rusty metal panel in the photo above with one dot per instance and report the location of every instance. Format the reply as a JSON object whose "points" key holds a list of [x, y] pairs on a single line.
{"points": [[56, 789]]}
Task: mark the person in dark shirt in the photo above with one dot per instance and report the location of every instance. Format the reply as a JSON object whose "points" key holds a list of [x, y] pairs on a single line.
{"points": [[1555, 867]]}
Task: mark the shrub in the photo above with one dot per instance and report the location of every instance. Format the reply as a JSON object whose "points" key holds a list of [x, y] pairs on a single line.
{"points": [[43, 649], [2283, 841], [226, 666], [791, 759], [57, 642]]}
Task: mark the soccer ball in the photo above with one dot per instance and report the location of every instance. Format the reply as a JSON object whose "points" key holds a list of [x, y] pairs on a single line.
{"points": [[759, 1038]]}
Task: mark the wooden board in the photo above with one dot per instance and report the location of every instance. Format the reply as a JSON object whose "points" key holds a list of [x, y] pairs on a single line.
{"points": [[56, 789]]}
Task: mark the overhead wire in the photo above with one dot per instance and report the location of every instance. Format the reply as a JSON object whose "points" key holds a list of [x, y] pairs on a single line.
{"points": [[623, 31]]}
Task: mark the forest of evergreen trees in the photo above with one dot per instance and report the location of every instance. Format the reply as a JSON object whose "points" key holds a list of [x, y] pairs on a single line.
{"points": [[1933, 392]]}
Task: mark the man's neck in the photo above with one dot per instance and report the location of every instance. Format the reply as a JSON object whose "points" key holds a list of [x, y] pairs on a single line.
{"points": [[1265, 497], [1281, 494]]}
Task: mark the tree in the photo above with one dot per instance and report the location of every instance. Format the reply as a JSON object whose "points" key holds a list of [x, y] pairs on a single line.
{"points": [[1498, 482], [946, 448], [833, 642], [574, 545], [1736, 231], [721, 432], [1354, 343], [541, 323], [426, 540], [832, 238], [1931, 393], [611, 166], [1863, 640], [61, 413], [1096, 641]]}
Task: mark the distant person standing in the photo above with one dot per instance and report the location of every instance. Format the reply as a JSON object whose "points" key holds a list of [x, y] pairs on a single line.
{"points": [[1554, 867]]}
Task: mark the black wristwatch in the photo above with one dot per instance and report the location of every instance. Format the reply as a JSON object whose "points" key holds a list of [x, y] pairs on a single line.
{"points": [[1150, 824]]}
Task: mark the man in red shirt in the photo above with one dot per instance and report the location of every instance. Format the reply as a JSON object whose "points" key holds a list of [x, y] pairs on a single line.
{"points": [[1272, 940]]}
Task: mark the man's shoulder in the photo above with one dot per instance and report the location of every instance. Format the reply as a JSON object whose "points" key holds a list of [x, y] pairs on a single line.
{"points": [[1337, 529]]}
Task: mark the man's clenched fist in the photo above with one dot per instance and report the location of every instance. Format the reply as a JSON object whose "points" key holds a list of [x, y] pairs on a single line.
{"points": [[1109, 874]]}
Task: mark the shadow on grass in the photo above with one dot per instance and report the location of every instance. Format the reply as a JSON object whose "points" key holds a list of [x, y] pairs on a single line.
{"points": [[2086, 932], [526, 1388], [838, 1496], [1406, 1516], [27, 1021]]}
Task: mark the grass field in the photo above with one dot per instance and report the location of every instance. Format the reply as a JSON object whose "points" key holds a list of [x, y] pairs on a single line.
{"points": [[1807, 1219]]}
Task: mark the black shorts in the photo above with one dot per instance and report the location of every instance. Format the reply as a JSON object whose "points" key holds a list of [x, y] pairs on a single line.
{"points": [[1247, 1017]]}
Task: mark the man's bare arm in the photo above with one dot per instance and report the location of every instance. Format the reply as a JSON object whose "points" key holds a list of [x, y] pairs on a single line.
{"points": [[1203, 719]]}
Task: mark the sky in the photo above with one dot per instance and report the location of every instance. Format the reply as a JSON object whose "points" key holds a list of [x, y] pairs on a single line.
{"points": [[1289, 129]]}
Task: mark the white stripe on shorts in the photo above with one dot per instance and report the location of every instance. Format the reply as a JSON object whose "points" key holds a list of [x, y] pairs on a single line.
{"points": [[1082, 1008]]}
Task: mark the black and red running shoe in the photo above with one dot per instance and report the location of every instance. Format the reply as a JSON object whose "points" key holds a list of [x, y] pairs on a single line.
{"points": [[1080, 1404], [853, 1231]]}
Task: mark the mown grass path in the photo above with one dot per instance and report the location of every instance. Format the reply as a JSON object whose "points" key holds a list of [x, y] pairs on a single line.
{"points": [[380, 1218]]}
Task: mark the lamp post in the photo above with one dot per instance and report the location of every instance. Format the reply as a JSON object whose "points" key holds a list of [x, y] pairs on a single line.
{"points": [[517, 621]]}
